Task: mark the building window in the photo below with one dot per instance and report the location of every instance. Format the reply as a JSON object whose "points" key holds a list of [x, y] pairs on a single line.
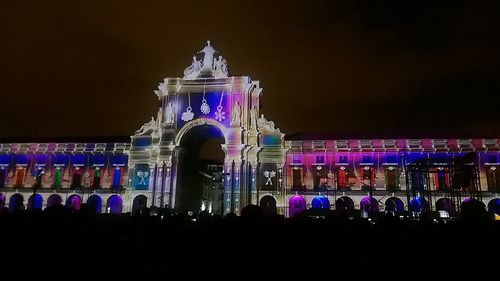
{"points": [[342, 178], [392, 178], [320, 178], [320, 159], [367, 178], [493, 178], [442, 179], [343, 159], [297, 172], [297, 159], [366, 159]]}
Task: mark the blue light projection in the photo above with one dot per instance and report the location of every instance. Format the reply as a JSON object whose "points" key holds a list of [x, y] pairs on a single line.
{"points": [[213, 99], [95, 203], [141, 176], [320, 202], [419, 204]]}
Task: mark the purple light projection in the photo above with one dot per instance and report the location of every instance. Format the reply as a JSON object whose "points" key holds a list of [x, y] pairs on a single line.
{"points": [[297, 205]]}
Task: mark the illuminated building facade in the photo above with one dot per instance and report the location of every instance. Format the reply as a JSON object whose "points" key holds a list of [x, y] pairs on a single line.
{"points": [[260, 167]]}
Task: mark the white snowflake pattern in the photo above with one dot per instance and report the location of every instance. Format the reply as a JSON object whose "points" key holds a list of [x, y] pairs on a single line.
{"points": [[205, 108], [187, 115], [220, 115]]}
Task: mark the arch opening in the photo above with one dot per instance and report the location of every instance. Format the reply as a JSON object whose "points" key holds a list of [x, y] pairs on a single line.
{"points": [[200, 167]]}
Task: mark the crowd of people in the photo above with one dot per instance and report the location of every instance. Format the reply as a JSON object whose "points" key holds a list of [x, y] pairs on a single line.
{"points": [[160, 242]]}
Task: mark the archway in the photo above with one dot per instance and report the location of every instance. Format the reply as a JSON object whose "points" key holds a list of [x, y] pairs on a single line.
{"points": [[320, 202], [16, 202], [445, 204], [95, 203], [268, 205], [199, 183], [35, 202], [114, 205], [297, 204], [419, 205], [344, 203], [74, 202], [494, 206], [54, 200], [2, 200], [369, 204], [139, 205], [395, 205]]}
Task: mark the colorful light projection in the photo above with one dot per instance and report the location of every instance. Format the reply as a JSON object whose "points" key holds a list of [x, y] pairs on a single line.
{"points": [[297, 204], [320, 202], [419, 205], [141, 176], [54, 200], [74, 202], [95, 203], [369, 204], [114, 205], [445, 204], [35, 202], [210, 105], [395, 205]]}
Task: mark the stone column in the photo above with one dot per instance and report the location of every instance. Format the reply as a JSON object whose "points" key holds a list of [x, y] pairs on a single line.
{"points": [[236, 196], [228, 184]]}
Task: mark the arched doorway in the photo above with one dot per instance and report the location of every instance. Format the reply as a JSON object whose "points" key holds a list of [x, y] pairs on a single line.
{"points": [[297, 204], [394, 205], [16, 202], [95, 203], [74, 202], [2, 200], [114, 205], [139, 206], [494, 206], [268, 205], [54, 200], [445, 204], [369, 204], [320, 202], [35, 202], [419, 205], [344, 203], [199, 180]]}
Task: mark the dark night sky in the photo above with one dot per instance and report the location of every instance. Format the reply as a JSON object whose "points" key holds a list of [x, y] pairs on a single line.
{"points": [[374, 68]]}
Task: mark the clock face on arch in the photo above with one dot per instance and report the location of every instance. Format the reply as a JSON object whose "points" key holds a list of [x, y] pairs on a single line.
{"points": [[212, 105]]}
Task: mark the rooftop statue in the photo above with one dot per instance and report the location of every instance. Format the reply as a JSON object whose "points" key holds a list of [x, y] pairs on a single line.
{"points": [[266, 126], [209, 56], [208, 66], [193, 70], [149, 126]]}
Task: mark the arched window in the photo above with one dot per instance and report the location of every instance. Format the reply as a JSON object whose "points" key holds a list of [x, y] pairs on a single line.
{"points": [[297, 204], [74, 202], [320, 202], [344, 203], [35, 202], [268, 205], [395, 205], [54, 200], [140, 204], [114, 204], [95, 203], [16, 202], [369, 204]]}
